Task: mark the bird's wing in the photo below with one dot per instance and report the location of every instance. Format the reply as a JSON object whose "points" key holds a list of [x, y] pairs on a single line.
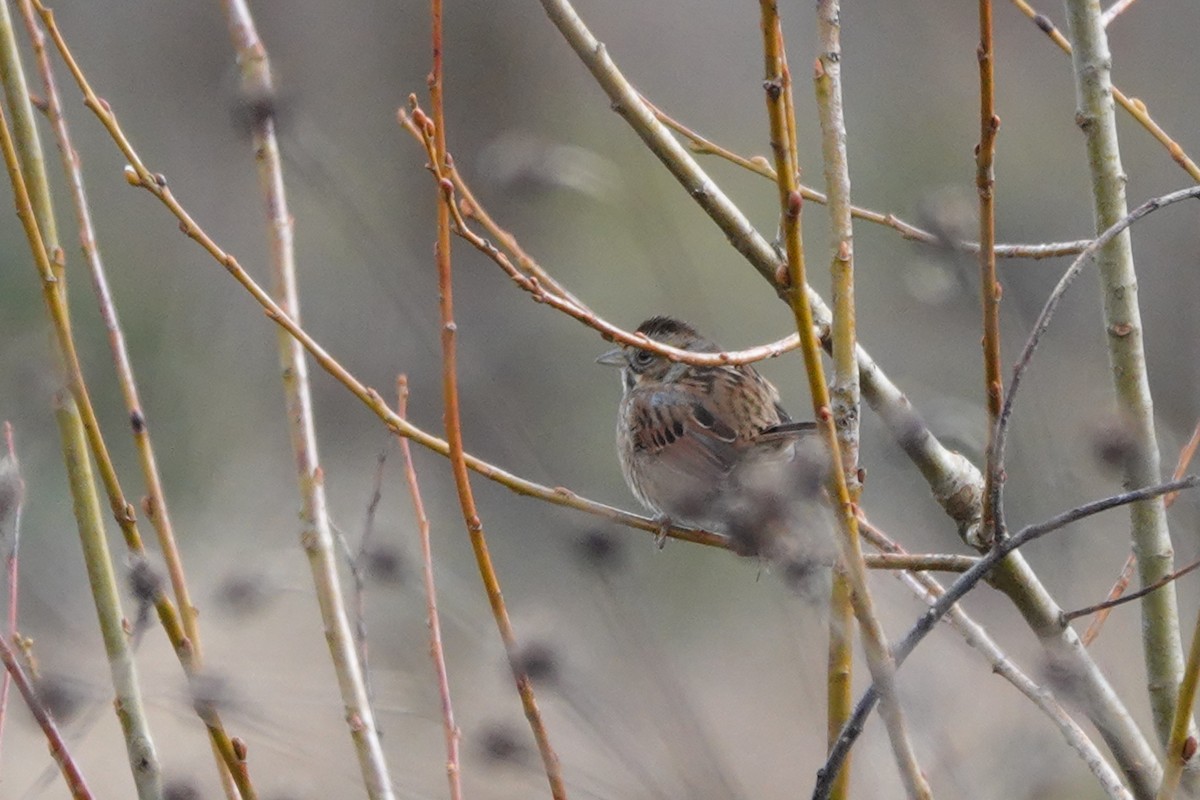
{"points": [[679, 431], [786, 431]]}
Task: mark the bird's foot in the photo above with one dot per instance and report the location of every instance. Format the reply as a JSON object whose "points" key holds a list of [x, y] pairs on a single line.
{"points": [[660, 534]]}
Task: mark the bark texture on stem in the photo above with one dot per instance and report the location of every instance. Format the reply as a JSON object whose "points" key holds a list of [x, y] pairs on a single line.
{"points": [[1123, 327], [844, 392], [316, 533]]}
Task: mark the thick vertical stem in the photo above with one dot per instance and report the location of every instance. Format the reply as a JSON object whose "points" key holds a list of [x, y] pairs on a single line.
{"points": [[25, 138], [1178, 754], [839, 699], [23, 162], [316, 535], [139, 747], [1123, 326], [777, 84], [845, 398], [844, 390]]}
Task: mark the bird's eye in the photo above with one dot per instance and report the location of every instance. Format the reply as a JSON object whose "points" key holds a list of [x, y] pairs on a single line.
{"points": [[643, 358]]}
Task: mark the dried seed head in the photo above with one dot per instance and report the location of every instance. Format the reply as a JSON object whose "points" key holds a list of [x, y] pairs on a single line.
{"points": [[950, 214], [1063, 677], [1113, 441], [180, 789], [210, 693], [12, 490], [145, 582], [244, 593], [539, 660], [62, 697], [502, 744], [598, 551], [386, 565], [807, 577]]}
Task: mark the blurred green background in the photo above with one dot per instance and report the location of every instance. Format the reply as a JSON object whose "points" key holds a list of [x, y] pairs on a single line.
{"points": [[536, 138]]}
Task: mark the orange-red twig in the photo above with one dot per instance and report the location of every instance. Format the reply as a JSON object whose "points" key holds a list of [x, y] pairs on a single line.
{"points": [[12, 496], [1113, 602], [436, 652], [1135, 107], [453, 421], [1118, 589], [58, 746], [1185, 459], [1122, 583], [542, 288], [985, 179]]}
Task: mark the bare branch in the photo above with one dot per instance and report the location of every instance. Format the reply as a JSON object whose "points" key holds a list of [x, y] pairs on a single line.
{"points": [[959, 588]]}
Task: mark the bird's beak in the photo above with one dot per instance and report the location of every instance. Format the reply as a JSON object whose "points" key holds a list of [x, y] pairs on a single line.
{"points": [[613, 358]]}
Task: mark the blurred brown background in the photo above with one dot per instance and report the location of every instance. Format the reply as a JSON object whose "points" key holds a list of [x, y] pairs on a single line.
{"points": [[685, 673]]}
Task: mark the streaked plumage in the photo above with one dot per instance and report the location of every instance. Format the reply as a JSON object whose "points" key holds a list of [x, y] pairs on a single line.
{"points": [[705, 447]]}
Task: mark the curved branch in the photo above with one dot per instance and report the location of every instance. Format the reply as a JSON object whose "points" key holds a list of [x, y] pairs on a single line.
{"points": [[959, 588]]}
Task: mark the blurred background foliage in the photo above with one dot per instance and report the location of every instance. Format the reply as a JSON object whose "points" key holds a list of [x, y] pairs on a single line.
{"points": [[552, 163]]}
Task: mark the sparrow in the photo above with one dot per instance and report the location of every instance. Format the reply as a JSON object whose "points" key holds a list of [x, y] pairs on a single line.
{"points": [[711, 447]]}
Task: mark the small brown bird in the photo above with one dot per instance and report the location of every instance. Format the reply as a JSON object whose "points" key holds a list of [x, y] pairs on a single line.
{"points": [[710, 447]]}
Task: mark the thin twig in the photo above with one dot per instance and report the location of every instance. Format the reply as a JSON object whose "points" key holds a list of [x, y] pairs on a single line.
{"points": [[963, 584], [155, 503], [760, 166], [453, 421], [25, 134], [989, 287], [102, 579], [1113, 602], [845, 400], [1115, 10], [71, 773], [356, 560], [436, 652], [1149, 529], [139, 743], [1118, 588], [48, 258], [368, 535], [976, 636], [1051, 305], [916, 562], [12, 501], [471, 208], [533, 279], [1122, 583], [355, 564], [316, 535], [1181, 746], [1185, 459], [1136, 108], [839, 672]]}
